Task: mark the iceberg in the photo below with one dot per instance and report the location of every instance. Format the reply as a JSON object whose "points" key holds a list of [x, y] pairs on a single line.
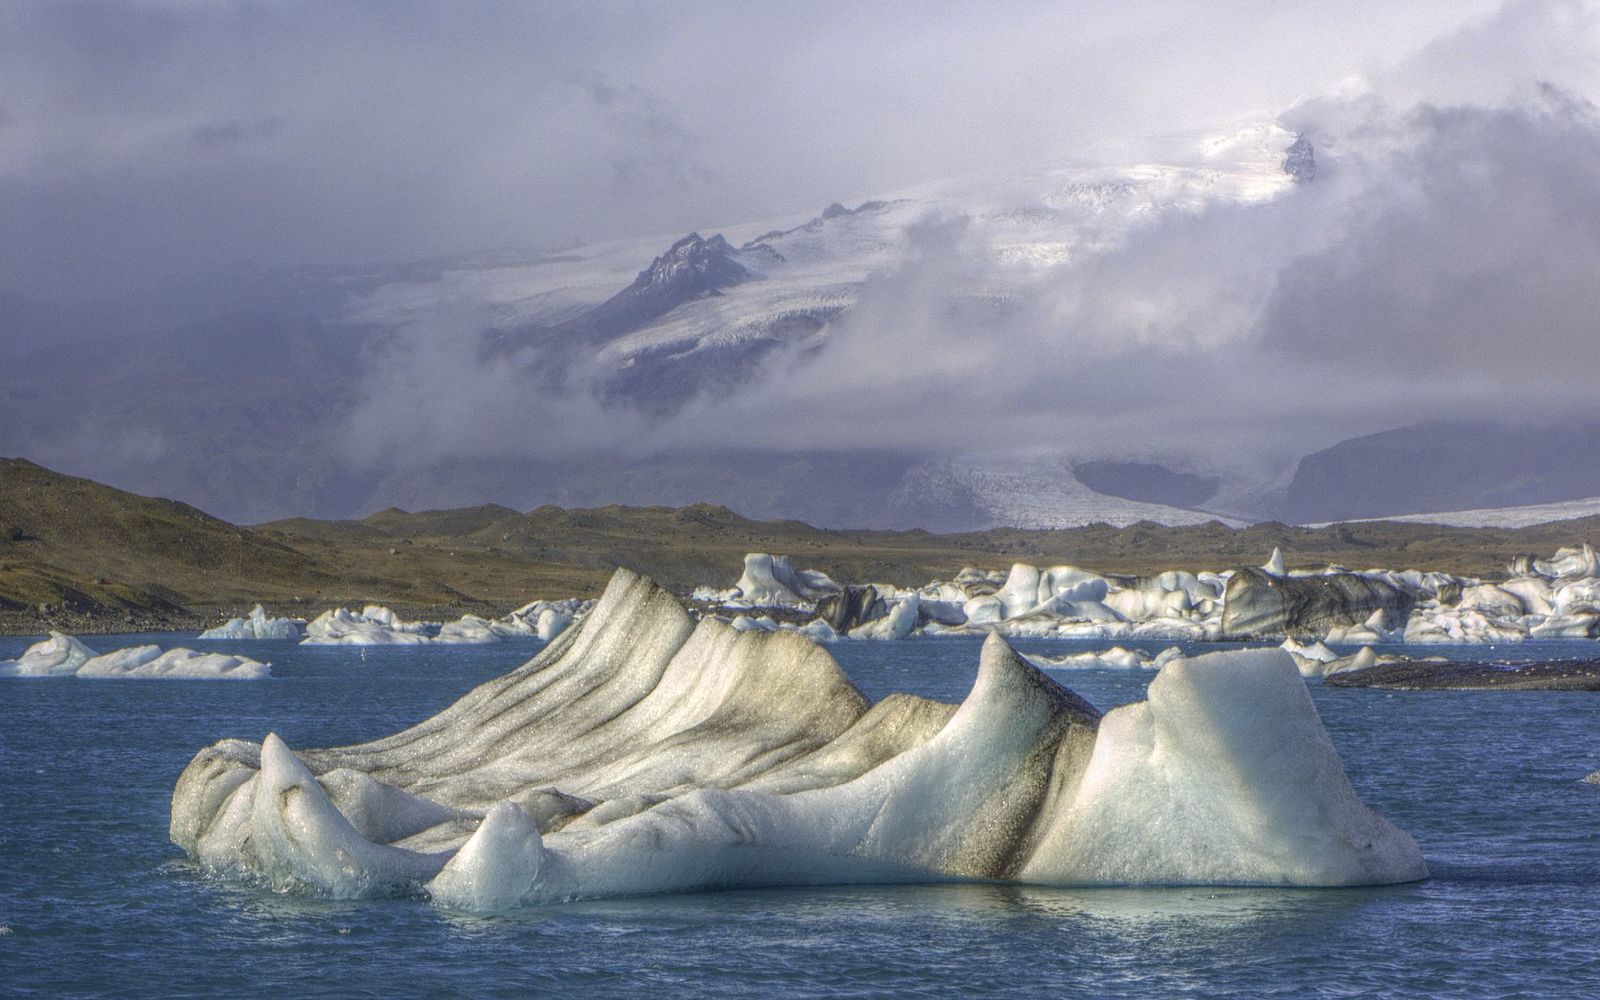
{"points": [[255, 626], [897, 624], [1555, 598], [541, 619], [642, 752], [769, 580], [469, 630], [58, 656], [372, 626], [64, 656], [1115, 658], [149, 662], [1570, 563]]}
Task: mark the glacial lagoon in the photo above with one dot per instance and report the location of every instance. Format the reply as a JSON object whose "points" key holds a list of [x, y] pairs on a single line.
{"points": [[96, 900]]}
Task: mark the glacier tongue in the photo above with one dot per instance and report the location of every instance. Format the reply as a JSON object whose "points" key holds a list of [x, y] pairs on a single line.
{"points": [[641, 753]]}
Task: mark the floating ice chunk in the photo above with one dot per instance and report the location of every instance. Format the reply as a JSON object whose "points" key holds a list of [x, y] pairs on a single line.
{"points": [[1368, 632], [744, 623], [552, 622], [1577, 597], [1438, 625], [1583, 625], [257, 625], [1274, 565], [1312, 659], [1492, 601], [1115, 658], [374, 626], [1258, 604], [1570, 563], [1172, 630], [143, 662], [469, 630], [770, 580], [1225, 776], [897, 624], [1360, 660], [983, 610], [541, 619], [816, 630], [58, 656], [1534, 593], [1029, 589]]}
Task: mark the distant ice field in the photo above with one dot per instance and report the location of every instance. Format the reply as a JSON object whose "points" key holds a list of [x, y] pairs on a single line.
{"points": [[96, 901]]}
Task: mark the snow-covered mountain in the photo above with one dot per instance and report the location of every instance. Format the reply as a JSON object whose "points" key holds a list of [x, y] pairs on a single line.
{"points": [[704, 311], [254, 399]]}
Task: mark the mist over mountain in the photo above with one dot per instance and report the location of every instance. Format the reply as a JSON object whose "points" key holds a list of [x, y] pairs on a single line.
{"points": [[1445, 467], [1369, 300]]}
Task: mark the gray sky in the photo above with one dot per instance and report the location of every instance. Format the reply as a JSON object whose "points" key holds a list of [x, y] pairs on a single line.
{"points": [[144, 139], [1442, 265]]}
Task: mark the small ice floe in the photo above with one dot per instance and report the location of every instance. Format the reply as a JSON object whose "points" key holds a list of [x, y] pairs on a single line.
{"points": [[372, 626], [256, 625]]}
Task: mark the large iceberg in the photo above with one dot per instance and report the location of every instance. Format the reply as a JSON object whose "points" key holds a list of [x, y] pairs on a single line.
{"points": [[257, 625], [641, 752]]}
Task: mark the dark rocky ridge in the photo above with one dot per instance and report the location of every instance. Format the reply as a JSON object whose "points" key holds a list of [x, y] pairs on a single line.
{"points": [[1147, 481], [1300, 161], [1413, 675], [1443, 467]]}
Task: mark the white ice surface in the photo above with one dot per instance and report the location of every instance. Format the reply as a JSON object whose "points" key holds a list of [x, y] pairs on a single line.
{"points": [[770, 580], [641, 753], [1225, 776], [149, 662], [256, 625], [372, 626], [58, 656]]}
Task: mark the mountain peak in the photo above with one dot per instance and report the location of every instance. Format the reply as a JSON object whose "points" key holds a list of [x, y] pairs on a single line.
{"points": [[693, 266], [1300, 161]]}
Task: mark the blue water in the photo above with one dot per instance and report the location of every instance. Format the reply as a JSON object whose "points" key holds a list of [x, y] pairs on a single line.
{"points": [[95, 901]]}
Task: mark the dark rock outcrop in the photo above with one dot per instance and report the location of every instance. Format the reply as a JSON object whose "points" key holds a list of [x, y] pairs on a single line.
{"points": [[1300, 161], [1147, 481], [1258, 605], [1445, 466]]}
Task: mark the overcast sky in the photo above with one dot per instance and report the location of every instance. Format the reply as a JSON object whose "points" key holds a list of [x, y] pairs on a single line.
{"points": [[1443, 264], [141, 140]]}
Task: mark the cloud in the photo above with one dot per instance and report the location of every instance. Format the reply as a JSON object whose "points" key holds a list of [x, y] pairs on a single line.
{"points": [[1441, 264], [420, 129], [212, 136], [653, 153]]}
